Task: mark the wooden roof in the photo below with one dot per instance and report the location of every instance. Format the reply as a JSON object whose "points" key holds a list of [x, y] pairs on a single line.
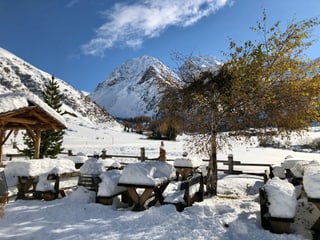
{"points": [[28, 112], [33, 117]]}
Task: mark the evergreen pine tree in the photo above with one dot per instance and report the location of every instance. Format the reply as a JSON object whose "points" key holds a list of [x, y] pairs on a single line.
{"points": [[51, 140]]}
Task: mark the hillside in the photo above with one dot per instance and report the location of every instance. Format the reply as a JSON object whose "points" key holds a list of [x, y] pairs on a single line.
{"points": [[16, 75]]}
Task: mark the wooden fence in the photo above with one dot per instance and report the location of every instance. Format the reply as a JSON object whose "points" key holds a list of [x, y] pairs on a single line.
{"points": [[230, 163]]}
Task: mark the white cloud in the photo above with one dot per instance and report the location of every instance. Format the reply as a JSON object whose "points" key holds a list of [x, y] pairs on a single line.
{"points": [[72, 3], [130, 24]]}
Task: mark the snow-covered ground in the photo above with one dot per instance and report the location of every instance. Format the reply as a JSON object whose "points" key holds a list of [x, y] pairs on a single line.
{"points": [[233, 214]]}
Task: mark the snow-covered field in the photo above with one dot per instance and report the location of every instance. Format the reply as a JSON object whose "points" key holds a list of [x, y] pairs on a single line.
{"points": [[233, 214]]}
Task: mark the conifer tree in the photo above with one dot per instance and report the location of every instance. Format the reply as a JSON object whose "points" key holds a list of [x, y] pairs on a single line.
{"points": [[51, 140]]}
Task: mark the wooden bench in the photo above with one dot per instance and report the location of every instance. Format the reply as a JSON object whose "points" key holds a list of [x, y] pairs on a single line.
{"points": [[193, 190], [58, 189], [89, 181], [26, 186], [273, 224]]}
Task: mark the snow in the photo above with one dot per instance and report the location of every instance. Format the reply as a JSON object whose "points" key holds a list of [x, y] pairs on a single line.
{"points": [[311, 180], [147, 173], [174, 194], [36, 167], [92, 166], [43, 184], [282, 198], [109, 183], [80, 157], [233, 214], [187, 162]]}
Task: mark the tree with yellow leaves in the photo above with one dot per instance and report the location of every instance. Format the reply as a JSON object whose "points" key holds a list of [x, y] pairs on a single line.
{"points": [[264, 84]]}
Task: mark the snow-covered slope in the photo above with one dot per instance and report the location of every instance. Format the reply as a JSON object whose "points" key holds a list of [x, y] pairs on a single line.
{"points": [[135, 87], [16, 75], [195, 64]]}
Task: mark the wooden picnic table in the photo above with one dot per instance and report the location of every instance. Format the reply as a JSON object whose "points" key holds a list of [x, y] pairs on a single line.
{"points": [[139, 200], [145, 180], [305, 173]]}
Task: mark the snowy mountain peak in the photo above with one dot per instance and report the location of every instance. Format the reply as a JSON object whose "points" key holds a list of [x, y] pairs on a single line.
{"points": [[135, 87], [197, 64]]}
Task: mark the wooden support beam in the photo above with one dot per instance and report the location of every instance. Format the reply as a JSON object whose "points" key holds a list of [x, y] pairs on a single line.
{"points": [[23, 121], [22, 111], [1, 143], [6, 137], [44, 120], [30, 133], [37, 144], [3, 139]]}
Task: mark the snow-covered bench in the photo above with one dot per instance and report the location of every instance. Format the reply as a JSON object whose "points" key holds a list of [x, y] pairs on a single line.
{"points": [[54, 185], [39, 175], [185, 167], [184, 193], [277, 205]]}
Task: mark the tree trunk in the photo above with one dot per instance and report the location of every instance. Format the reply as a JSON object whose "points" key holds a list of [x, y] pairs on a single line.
{"points": [[212, 175]]}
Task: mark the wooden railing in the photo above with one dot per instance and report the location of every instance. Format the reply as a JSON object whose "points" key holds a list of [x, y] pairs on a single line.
{"points": [[230, 163]]}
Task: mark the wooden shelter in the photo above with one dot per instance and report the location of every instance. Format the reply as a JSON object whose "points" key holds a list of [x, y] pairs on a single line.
{"points": [[28, 112]]}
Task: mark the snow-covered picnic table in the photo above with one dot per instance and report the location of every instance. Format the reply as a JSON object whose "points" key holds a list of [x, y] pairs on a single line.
{"points": [[296, 197], [151, 176], [34, 175]]}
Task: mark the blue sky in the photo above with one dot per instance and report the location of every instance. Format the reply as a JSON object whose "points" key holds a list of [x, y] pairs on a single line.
{"points": [[83, 41]]}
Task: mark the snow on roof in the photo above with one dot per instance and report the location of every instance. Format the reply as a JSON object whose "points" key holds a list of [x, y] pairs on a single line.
{"points": [[147, 173], [282, 198], [14, 101]]}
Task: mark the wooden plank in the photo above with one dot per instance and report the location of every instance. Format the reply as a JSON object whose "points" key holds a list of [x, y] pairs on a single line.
{"points": [[234, 163], [133, 194], [23, 120], [254, 164], [136, 185]]}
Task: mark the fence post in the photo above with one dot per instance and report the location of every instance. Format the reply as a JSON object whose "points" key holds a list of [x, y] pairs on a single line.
{"points": [[104, 154], [143, 154], [230, 163]]}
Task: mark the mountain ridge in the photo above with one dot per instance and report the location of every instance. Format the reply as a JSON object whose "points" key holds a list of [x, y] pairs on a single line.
{"points": [[135, 88]]}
